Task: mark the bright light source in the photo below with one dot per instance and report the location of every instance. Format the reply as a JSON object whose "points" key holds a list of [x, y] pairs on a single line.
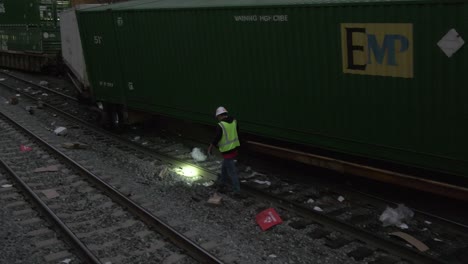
{"points": [[189, 171]]}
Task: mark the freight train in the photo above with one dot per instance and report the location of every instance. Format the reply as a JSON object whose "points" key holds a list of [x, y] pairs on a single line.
{"points": [[29, 33], [380, 79]]}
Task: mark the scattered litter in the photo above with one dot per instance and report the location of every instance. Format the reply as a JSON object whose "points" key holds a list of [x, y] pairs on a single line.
{"points": [[268, 218], [198, 155], [244, 181], [29, 109], [60, 131], [263, 182], [2, 79], [428, 222], [24, 148], [164, 171], [144, 143], [438, 240], [208, 184], [412, 240], [310, 201], [44, 94], [136, 138], [403, 226], [215, 199], [18, 95], [75, 145], [43, 83], [7, 185], [341, 199], [318, 209], [272, 256], [396, 216], [50, 194], [47, 169], [253, 174], [248, 169], [13, 100], [66, 261]]}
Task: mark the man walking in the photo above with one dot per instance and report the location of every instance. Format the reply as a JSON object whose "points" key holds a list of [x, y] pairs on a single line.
{"points": [[227, 141]]}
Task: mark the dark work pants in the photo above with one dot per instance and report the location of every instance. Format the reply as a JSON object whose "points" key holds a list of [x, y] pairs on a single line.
{"points": [[228, 170]]}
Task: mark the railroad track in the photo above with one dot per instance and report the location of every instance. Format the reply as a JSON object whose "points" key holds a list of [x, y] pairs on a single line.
{"points": [[54, 97], [27, 239], [101, 223], [355, 220]]}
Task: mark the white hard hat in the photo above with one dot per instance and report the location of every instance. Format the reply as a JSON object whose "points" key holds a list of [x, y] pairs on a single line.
{"points": [[220, 110]]}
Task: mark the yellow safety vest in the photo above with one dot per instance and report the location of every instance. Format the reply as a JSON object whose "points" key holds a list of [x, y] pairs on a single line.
{"points": [[229, 140]]}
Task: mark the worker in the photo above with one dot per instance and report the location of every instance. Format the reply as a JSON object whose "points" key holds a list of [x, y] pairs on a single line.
{"points": [[227, 141]]}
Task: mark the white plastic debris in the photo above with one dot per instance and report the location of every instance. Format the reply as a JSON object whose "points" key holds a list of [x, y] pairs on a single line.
{"points": [[144, 143], [263, 182], [66, 261], [310, 201], [318, 209], [6, 185], [18, 95], [207, 184], [43, 83], [341, 199], [438, 240], [2, 79], [60, 131], [253, 174], [164, 171], [403, 226], [396, 216], [198, 155], [428, 222], [272, 256]]}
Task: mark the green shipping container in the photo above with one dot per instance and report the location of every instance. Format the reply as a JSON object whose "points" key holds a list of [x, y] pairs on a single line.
{"points": [[31, 12], [381, 79], [30, 39]]}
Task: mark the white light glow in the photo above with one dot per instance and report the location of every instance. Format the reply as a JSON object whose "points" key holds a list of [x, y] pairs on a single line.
{"points": [[189, 171]]}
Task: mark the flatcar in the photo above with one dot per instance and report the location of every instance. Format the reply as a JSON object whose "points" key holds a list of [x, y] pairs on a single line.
{"points": [[378, 79]]}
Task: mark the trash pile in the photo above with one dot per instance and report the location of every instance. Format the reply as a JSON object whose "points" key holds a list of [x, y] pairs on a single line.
{"points": [[397, 216], [198, 155]]}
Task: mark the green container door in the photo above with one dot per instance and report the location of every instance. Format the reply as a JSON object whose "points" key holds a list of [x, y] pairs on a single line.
{"points": [[101, 55]]}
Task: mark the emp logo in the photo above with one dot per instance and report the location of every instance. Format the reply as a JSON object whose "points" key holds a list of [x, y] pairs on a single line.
{"points": [[377, 49]]}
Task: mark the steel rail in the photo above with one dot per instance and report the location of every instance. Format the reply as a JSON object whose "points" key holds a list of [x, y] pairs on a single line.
{"points": [[192, 249], [175, 162], [37, 85], [400, 179], [82, 251], [361, 234], [358, 233]]}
